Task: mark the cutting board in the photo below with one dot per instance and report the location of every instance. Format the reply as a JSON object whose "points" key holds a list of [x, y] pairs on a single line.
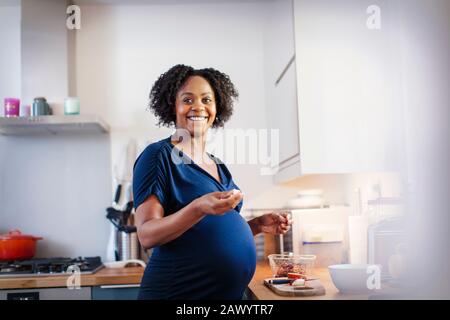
{"points": [[312, 288]]}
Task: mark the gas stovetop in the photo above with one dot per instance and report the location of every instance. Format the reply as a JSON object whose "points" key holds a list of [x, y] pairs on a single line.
{"points": [[50, 267]]}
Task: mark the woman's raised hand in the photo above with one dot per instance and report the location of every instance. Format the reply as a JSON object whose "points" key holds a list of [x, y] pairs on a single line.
{"points": [[218, 203]]}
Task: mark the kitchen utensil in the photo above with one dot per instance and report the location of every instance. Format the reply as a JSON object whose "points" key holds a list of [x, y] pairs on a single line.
{"points": [[282, 264], [17, 246], [127, 243], [350, 278], [114, 215], [12, 106], [124, 263], [111, 250], [311, 288]]}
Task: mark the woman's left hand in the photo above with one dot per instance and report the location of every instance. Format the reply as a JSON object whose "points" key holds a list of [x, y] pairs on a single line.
{"points": [[275, 222]]}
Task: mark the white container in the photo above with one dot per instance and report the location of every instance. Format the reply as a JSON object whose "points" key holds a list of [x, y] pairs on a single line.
{"points": [[327, 253], [327, 219], [355, 278], [325, 242], [357, 236], [71, 106], [311, 198]]}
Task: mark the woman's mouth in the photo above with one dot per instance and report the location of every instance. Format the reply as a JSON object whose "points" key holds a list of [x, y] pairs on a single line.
{"points": [[198, 118]]}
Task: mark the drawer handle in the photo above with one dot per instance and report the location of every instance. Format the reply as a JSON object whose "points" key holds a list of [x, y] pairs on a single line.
{"points": [[119, 286]]}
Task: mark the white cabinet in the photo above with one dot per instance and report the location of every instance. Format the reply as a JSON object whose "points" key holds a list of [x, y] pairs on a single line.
{"points": [[281, 85], [347, 89]]}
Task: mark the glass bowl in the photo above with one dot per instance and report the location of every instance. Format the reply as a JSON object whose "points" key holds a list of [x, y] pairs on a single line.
{"points": [[282, 264]]}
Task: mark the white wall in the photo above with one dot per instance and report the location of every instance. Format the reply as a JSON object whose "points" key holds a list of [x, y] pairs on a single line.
{"points": [[54, 186], [44, 52], [425, 65], [119, 58], [10, 53]]}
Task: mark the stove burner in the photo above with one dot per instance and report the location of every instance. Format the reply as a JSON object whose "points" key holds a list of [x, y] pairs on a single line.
{"points": [[52, 266]]}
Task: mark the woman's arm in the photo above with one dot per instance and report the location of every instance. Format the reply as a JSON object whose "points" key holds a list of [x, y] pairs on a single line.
{"points": [[273, 223], [255, 226], [155, 229]]}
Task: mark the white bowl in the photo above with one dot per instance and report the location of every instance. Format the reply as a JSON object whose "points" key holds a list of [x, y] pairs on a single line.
{"points": [[310, 192], [351, 278]]}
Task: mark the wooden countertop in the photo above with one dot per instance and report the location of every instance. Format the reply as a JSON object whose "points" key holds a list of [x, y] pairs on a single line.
{"points": [[259, 291], [105, 276]]}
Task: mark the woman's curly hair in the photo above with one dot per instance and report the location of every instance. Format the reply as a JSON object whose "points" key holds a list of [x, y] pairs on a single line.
{"points": [[163, 93]]}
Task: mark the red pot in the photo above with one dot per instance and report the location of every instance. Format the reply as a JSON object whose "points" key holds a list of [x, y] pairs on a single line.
{"points": [[17, 246]]}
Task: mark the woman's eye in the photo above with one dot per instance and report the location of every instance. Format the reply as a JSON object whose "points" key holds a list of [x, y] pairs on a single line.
{"points": [[187, 100], [207, 100]]}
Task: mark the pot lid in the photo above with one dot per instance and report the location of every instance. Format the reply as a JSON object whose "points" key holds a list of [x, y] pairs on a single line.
{"points": [[17, 235]]}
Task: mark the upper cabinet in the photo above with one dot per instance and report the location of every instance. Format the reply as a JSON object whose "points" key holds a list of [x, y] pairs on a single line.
{"points": [[281, 85], [347, 93]]}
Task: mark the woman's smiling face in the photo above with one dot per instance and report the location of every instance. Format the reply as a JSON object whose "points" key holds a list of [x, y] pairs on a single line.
{"points": [[195, 106]]}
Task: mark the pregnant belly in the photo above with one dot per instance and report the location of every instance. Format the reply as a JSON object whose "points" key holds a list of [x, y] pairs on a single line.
{"points": [[216, 257]]}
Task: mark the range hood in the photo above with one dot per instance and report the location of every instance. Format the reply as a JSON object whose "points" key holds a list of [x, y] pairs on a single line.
{"points": [[52, 125]]}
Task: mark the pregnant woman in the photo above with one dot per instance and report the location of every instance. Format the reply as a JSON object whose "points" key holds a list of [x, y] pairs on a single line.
{"points": [[187, 204]]}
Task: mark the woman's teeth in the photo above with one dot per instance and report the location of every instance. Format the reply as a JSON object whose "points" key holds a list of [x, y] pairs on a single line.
{"points": [[197, 118]]}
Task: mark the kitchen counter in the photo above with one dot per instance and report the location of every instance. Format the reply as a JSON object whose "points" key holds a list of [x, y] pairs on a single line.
{"points": [[259, 291], [105, 276]]}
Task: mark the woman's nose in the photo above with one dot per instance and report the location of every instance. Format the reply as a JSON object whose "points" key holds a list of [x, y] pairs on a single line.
{"points": [[198, 106]]}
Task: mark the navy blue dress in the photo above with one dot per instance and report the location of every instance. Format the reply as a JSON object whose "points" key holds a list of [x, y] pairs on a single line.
{"points": [[215, 258]]}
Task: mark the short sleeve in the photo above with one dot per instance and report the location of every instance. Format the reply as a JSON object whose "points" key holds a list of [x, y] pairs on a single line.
{"points": [[150, 176]]}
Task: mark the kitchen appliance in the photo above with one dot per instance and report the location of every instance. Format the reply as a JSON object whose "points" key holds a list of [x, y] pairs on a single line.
{"points": [[17, 246], [84, 293], [49, 266], [317, 231], [386, 246], [324, 241]]}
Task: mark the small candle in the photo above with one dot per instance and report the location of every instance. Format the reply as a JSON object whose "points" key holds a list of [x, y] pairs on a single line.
{"points": [[71, 106], [12, 106]]}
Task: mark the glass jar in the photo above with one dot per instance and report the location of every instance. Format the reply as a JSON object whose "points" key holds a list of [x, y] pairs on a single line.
{"points": [[12, 107], [72, 106]]}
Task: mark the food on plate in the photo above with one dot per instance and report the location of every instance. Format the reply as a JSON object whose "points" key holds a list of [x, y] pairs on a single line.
{"points": [[295, 275], [287, 267], [298, 283]]}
